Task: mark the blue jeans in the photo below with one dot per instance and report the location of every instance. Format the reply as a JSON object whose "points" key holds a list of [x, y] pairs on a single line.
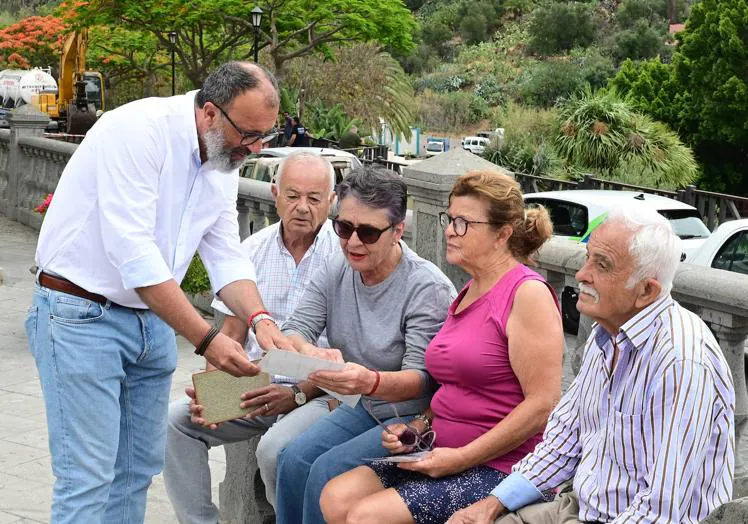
{"points": [[105, 372], [333, 445]]}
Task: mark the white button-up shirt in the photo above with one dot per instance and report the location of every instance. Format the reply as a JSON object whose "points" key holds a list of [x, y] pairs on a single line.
{"points": [[134, 203], [280, 281]]}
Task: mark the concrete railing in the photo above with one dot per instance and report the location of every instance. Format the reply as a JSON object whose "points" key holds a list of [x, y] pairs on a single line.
{"points": [[30, 165]]}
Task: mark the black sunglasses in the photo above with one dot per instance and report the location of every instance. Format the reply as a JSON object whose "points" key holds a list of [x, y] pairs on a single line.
{"points": [[248, 138], [410, 437], [366, 234]]}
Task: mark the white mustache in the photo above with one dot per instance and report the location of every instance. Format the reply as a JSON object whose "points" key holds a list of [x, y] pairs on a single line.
{"points": [[589, 290]]}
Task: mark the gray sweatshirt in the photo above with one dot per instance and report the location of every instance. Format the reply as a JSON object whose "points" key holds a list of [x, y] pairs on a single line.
{"points": [[386, 326]]}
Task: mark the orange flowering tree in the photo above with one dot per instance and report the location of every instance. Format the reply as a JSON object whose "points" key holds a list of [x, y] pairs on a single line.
{"points": [[33, 41]]}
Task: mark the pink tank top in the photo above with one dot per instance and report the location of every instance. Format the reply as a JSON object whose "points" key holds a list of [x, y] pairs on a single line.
{"points": [[469, 357]]}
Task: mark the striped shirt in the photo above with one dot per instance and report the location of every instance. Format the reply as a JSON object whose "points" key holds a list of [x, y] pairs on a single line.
{"points": [[280, 281], [651, 441]]}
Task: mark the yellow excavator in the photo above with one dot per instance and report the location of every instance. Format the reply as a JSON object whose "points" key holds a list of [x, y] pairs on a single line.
{"points": [[80, 93]]}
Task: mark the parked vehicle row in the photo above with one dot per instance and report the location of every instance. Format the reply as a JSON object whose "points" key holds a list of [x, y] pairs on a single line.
{"points": [[576, 213]]}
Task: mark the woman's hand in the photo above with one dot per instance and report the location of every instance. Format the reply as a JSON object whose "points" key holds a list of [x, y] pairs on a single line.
{"points": [[351, 380], [391, 441], [335, 355], [439, 462]]}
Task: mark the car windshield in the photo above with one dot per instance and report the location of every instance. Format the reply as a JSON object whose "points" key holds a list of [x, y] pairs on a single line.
{"points": [[686, 223]]}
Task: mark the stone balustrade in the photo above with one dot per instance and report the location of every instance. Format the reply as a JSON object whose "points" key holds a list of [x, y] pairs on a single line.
{"points": [[30, 167]]}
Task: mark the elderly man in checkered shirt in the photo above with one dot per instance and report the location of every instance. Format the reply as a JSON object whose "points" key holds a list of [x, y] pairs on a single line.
{"points": [[286, 254]]}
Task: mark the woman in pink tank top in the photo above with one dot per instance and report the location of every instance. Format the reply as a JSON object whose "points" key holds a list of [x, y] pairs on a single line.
{"points": [[497, 359]]}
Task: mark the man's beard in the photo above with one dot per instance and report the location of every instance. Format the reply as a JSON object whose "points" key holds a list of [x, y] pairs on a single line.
{"points": [[219, 156]]}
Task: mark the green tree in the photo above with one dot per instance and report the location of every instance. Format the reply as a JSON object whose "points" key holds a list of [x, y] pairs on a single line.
{"points": [[631, 11], [211, 31], [545, 83], [639, 42], [650, 86], [560, 27], [710, 69], [710, 66], [367, 84], [528, 143], [124, 56]]}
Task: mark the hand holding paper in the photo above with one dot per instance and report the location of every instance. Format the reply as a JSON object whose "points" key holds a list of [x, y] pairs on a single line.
{"points": [[300, 367], [352, 379]]}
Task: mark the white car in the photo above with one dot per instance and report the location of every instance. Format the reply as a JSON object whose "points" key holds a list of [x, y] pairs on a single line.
{"points": [[726, 248], [263, 166], [576, 213], [435, 147]]}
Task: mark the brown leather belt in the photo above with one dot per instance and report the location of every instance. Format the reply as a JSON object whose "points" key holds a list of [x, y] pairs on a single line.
{"points": [[61, 284]]}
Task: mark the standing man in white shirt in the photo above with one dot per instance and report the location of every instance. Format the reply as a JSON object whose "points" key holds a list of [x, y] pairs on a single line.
{"points": [[286, 255], [152, 182]]}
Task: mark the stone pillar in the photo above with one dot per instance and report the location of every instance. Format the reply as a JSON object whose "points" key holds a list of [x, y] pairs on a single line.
{"points": [[26, 121], [732, 340], [429, 184], [242, 493]]}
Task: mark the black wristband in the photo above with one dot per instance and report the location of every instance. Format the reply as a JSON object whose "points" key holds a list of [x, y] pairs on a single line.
{"points": [[200, 350]]}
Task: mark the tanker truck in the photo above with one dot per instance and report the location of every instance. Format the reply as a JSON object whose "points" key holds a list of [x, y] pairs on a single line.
{"points": [[19, 87], [73, 103]]}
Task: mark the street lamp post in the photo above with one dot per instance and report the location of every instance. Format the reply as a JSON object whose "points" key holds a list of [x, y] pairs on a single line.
{"points": [[173, 41], [256, 20]]}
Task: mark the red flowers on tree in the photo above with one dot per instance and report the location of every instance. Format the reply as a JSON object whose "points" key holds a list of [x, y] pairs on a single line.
{"points": [[32, 42]]}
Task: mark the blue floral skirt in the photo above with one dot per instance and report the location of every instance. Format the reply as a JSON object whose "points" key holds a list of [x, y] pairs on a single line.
{"points": [[433, 501]]}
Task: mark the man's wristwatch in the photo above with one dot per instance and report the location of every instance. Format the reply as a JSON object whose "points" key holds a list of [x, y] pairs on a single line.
{"points": [[298, 396], [259, 318]]}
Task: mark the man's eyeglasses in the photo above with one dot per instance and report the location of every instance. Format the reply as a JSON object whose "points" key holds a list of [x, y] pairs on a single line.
{"points": [[248, 138], [410, 437], [366, 234], [459, 224]]}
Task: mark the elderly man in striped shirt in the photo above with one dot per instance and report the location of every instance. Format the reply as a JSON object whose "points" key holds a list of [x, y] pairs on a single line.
{"points": [[646, 431]]}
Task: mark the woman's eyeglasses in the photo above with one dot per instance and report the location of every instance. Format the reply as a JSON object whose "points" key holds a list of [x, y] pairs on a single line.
{"points": [[459, 224], [410, 437], [366, 234]]}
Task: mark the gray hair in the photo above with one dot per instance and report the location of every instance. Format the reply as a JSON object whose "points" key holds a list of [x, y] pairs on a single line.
{"points": [[654, 246], [377, 188], [309, 158], [231, 80]]}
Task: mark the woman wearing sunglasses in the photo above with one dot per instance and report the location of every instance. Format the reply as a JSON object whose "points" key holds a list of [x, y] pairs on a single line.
{"points": [[381, 305], [497, 358]]}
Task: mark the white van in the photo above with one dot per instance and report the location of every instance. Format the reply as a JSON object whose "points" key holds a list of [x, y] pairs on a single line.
{"points": [[475, 144]]}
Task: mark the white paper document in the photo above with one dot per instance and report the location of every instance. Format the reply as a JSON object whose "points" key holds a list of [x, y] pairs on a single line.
{"points": [[407, 457], [298, 366]]}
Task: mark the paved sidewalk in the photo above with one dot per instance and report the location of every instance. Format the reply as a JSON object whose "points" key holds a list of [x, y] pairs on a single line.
{"points": [[25, 473]]}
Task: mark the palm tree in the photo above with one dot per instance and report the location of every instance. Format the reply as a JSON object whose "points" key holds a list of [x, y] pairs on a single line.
{"points": [[601, 132]]}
